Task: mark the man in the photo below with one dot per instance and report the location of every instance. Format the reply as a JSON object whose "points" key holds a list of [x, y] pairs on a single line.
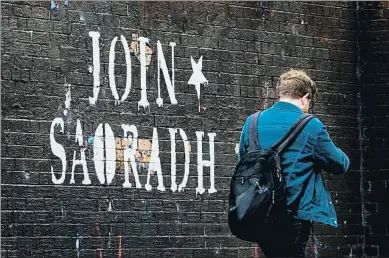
{"points": [[312, 150]]}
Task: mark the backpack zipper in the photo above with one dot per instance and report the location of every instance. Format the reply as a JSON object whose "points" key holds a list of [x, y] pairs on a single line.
{"points": [[246, 177]]}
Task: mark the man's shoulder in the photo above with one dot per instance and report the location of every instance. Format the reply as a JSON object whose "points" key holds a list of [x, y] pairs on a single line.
{"points": [[315, 126]]}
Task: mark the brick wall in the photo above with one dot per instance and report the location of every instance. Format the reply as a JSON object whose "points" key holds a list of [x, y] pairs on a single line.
{"points": [[374, 57], [57, 111]]}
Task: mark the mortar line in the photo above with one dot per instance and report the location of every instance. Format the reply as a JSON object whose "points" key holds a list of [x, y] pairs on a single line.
{"points": [[360, 129]]}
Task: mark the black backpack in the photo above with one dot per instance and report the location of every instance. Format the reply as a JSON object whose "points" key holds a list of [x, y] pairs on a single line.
{"points": [[257, 192]]}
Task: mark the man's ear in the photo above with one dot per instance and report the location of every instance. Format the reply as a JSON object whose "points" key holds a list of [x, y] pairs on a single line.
{"points": [[305, 99]]}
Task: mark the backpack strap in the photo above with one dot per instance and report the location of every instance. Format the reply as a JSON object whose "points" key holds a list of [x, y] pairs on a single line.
{"points": [[293, 132], [253, 132]]}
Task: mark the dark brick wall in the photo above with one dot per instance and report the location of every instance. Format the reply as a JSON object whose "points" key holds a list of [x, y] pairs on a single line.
{"points": [[374, 56], [245, 47]]}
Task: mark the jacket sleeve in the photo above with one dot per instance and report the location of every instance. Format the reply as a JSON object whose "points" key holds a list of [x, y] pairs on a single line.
{"points": [[329, 157], [243, 143]]}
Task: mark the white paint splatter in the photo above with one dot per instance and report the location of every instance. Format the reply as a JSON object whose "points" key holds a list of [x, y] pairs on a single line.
{"points": [[90, 69], [82, 161], [68, 99], [129, 154], [58, 150], [155, 164], [187, 160], [96, 66], [169, 83], [143, 97], [26, 175], [295, 30], [237, 148], [82, 18], [197, 77], [109, 206], [208, 163], [79, 133]]}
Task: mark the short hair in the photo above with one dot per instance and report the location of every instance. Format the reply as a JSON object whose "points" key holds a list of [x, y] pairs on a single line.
{"points": [[295, 84]]}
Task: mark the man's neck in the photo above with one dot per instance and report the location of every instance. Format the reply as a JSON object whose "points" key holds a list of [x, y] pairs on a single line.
{"points": [[291, 101]]}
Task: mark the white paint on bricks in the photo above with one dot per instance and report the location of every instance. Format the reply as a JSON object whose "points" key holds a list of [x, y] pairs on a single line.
{"points": [[68, 99], [187, 160], [128, 64], [173, 132], [169, 83], [155, 164], [111, 69], [207, 163], [98, 153], [58, 150], [197, 77], [129, 154], [96, 66], [105, 157], [110, 153], [82, 161], [143, 95]]}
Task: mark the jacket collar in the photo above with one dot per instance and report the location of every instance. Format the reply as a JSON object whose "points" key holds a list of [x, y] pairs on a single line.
{"points": [[287, 106]]}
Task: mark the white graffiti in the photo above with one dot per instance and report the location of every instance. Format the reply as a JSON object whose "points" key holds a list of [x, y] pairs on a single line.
{"points": [[173, 132], [128, 152], [173, 159], [169, 83], [82, 161], [205, 163], [111, 69], [96, 66], [104, 158], [98, 152], [143, 95], [197, 77], [109, 160], [155, 164], [58, 150]]}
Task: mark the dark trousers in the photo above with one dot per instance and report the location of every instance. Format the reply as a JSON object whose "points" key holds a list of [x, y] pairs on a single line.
{"points": [[287, 239]]}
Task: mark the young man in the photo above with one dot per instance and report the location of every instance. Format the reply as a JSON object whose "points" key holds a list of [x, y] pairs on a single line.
{"points": [[302, 162]]}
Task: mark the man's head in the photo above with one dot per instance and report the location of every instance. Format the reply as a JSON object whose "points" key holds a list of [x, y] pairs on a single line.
{"points": [[296, 87]]}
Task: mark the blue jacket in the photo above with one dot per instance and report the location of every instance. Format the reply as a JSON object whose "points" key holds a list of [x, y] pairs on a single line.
{"points": [[302, 162]]}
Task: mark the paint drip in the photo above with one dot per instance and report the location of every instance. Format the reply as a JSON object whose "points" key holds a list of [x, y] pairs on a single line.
{"points": [[78, 247], [110, 206], [68, 99]]}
